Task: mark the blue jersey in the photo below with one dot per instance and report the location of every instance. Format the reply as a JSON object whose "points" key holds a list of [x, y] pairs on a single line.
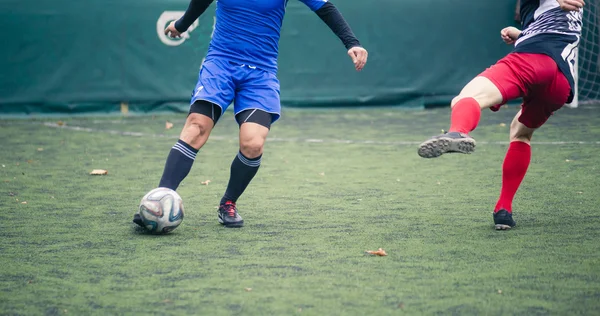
{"points": [[247, 31], [549, 30]]}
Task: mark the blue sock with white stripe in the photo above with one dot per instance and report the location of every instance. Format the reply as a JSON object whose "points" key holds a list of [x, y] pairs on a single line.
{"points": [[178, 165], [242, 171]]}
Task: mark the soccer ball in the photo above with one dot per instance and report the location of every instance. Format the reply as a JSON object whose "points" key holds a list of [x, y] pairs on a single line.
{"points": [[161, 210]]}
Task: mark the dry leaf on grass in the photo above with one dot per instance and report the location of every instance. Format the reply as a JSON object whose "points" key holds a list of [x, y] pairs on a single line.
{"points": [[60, 123], [502, 124], [205, 182], [168, 125], [248, 289], [99, 172], [40, 149], [24, 202], [379, 252]]}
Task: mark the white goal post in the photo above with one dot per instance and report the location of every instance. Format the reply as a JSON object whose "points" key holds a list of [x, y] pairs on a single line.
{"points": [[587, 62]]}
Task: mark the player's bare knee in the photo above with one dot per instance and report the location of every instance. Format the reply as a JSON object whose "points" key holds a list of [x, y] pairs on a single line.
{"points": [[252, 147], [196, 129], [519, 132], [521, 137], [457, 98]]}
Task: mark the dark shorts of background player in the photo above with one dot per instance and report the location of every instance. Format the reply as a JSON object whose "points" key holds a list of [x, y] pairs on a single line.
{"points": [[247, 116], [534, 77]]}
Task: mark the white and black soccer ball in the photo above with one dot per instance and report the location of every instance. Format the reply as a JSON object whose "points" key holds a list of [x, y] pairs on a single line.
{"points": [[161, 210]]}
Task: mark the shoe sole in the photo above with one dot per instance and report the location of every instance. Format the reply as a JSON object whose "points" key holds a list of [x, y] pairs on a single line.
{"points": [[438, 146], [503, 227], [231, 225]]}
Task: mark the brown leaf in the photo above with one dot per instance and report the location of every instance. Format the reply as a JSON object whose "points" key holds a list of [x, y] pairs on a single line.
{"points": [[205, 182], [99, 172], [167, 301], [29, 161], [60, 123], [248, 289], [168, 125], [379, 252], [401, 306]]}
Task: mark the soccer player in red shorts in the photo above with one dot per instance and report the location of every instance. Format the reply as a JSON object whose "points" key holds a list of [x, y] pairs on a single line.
{"points": [[540, 70]]}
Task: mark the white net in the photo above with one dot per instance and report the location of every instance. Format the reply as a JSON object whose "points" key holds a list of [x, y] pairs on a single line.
{"points": [[588, 63]]}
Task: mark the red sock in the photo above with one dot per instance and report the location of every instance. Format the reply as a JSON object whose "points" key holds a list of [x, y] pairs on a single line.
{"points": [[465, 116], [514, 168]]}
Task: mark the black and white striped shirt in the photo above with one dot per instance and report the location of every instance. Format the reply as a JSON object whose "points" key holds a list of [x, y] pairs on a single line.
{"points": [[549, 30]]}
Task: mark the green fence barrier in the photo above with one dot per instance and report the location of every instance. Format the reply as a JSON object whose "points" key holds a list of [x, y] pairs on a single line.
{"points": [[89, 56]]}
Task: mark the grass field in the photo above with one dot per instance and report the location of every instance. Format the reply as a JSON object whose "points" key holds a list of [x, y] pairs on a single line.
{"points": [[333, 184]]}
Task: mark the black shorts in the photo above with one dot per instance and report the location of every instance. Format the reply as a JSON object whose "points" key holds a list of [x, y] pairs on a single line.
{"points": [[247, 116]]}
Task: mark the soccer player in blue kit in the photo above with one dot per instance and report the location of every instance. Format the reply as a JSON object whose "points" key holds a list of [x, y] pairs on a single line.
{"points": [[241, 65]]}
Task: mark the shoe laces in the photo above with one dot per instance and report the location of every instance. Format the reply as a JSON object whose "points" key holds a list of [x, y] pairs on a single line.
{"points": [[229, 208]]}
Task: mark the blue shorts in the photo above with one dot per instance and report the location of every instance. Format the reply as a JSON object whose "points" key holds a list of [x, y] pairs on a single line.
{"points": [[221, 81]]}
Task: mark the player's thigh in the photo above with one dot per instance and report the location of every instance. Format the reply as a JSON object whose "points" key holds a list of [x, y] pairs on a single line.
{"points": [[482, 90], [259, 91], [215, 85], [494, 86], [519, 131]]}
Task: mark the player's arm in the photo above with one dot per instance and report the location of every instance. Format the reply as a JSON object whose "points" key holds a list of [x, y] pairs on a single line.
{"points": [[336, 22], [193, 12], [571, 5], [510, 34]]}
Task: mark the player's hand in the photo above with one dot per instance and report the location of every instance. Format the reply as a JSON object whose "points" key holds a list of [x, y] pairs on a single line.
{"points": [[171, 31], [571, 5], [359, 57], [510, 34]]}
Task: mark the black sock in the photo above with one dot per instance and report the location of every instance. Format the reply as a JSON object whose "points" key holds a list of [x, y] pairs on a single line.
{"points": [[242, 171], [178, 165]]}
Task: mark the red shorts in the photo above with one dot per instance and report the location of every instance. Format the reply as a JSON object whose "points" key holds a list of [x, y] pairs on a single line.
{"points": [[534, 77]]}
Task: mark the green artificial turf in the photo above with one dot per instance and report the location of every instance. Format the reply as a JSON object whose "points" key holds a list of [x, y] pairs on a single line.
{"points": [[333, 184]]}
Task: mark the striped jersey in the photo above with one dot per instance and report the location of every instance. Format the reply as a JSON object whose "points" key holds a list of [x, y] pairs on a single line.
{"points": [[549, 30]]}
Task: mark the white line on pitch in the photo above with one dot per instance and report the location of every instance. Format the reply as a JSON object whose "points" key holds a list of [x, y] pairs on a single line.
{"points": [[294, 140]]}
